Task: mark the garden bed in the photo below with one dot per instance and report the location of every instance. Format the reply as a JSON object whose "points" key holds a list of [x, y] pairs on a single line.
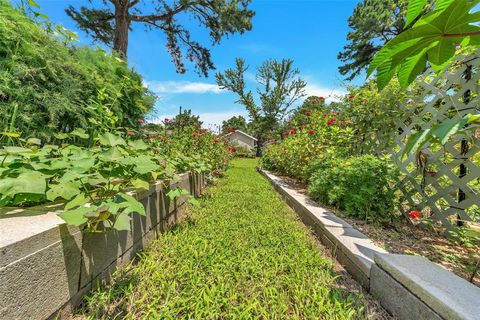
{"points": [[405, 238]]}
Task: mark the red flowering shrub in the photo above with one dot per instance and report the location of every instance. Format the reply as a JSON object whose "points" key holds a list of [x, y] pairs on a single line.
{"points": [[309, 140]]}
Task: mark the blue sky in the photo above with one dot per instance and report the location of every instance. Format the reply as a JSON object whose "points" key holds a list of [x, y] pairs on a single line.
{"points": [[310, 32]]}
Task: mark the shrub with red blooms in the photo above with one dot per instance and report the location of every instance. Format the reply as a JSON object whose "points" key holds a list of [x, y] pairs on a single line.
{"points": [[414, 214], [308, 113], [331, 121], [216, 141], [311, 131], [141, 121], [232, 149], [232, 130]]}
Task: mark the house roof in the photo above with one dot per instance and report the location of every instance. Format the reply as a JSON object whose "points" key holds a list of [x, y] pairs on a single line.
{"points": [[240, 131]]}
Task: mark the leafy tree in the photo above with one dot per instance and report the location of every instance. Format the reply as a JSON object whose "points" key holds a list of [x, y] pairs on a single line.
{"points": [[278, 88], [183, 119], [236, 123], [373, 23], [111, 22]]}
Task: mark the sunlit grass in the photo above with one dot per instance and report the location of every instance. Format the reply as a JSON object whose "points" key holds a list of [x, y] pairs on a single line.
{"points": [[241, 255]]}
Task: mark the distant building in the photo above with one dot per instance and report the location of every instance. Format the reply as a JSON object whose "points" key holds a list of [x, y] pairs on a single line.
{"points": [[240, 138]]}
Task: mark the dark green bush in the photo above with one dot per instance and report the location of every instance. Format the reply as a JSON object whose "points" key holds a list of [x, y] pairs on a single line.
{"points": [[361, 186], [47, 86]]}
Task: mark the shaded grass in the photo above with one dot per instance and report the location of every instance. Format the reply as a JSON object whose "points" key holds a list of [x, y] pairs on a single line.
{"points": [[241, 255]]}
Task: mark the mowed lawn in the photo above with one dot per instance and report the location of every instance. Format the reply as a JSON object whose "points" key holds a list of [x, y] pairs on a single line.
{"points": [[241, 254]]}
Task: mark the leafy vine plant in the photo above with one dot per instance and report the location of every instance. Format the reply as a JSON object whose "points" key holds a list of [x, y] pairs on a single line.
{"points": [[435, 33], [98, 183]]}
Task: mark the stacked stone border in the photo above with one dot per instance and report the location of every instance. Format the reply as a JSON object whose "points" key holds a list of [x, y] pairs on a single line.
{"points": [[46, 266], [408, 287]]}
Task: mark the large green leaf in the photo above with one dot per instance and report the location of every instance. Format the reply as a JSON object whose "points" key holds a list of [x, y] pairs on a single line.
{"points": [[79, 200], [16, 150], [415, 7], [446, 129], [140, 184], [415, 141], [65, 191], [412, 66], [76, 216], [110, 139], [133, 205], [439, 31], [146, 167], [79, 132], [31, 182], [122, 222], [137, 145]]}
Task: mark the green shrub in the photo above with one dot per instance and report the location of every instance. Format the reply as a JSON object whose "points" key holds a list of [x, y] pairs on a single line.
{"points": [[47, 86], [361, 186], [244, 152]]}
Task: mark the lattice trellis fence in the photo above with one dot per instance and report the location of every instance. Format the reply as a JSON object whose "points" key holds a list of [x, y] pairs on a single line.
{"points": [[443, 182]]}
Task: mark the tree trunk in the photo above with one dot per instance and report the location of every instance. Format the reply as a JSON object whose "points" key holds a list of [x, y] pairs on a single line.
{"points": [[122, 25]]}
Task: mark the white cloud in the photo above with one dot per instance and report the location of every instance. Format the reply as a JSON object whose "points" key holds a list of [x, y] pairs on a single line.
{"points": [[210, 120], [172, 87], [330, 94]]}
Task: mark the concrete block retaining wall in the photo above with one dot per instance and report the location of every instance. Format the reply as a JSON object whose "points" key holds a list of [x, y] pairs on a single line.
{"points": [[47, 266], [409, 287]]}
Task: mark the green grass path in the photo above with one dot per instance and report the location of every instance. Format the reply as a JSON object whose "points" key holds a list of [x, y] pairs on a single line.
{"points": [[242, 254]]}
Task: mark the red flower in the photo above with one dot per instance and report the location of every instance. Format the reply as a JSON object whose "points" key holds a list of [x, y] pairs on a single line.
{"points": [[216, 141], [321, 98], [311, 131], [231, 130], [293, 130], [331, 121], [351, 97], [232, 149], [414, 214], [286, 133], [308, 113], [141, 121]]}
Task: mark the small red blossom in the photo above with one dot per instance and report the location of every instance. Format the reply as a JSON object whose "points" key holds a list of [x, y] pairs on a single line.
{"points": [[231, 130], [414, 214], [232, 149], [286, 133], [311, 131], [216, 141], [308, 113], [331, 121], [351, 97], [141, 121]]}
